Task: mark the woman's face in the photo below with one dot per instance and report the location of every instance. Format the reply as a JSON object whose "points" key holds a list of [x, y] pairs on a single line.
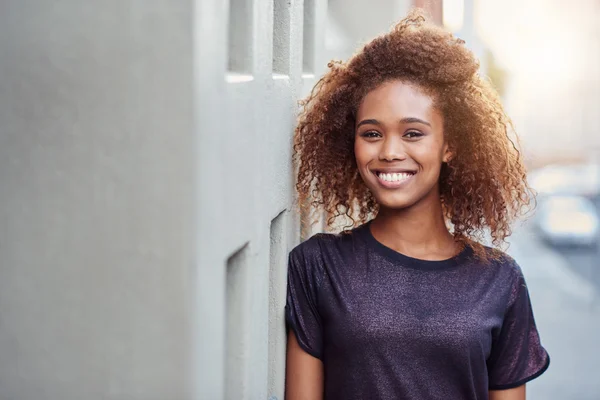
{"points": [[399, 144]]}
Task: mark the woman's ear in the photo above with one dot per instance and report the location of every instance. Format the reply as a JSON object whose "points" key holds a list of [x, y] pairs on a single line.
{"points": [[448, 155]]}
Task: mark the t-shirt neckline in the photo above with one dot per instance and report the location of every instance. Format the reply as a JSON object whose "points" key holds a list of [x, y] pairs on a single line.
{"points": [[412, 262]]}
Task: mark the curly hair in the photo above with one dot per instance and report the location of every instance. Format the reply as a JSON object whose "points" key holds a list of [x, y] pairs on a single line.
{"points": [[483, 188]]}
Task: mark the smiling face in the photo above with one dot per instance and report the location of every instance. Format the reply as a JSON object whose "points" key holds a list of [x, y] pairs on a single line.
{"points": [[399, 145]]}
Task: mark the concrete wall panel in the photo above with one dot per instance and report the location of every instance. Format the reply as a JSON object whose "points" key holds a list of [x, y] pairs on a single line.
{"points": [[245, 125], [146, 199], [96, 207]]}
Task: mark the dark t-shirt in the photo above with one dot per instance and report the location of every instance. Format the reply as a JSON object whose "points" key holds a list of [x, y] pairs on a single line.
{"points": [[388, 326]]}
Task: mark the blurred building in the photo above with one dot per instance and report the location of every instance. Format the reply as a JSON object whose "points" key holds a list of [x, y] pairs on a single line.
{"points": [[550, 51]]}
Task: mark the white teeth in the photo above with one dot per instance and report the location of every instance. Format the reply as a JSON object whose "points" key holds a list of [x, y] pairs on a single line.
{"points": [[395, 177]]}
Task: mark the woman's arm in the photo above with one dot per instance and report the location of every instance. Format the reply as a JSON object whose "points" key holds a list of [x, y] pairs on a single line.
{"points": [[303, 374], [517, 393]]}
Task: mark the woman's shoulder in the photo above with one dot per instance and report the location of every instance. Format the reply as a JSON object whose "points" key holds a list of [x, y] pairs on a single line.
{"points": [[324, 246], [503, 263], [321, 241], [307, 259]]}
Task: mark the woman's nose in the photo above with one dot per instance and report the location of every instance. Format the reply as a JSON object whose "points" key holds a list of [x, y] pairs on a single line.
{"points": [[392, 149]]}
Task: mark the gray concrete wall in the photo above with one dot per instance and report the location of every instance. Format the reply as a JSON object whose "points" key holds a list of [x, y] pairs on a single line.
{"points": [[146, 195], [351, 24], [246, 112], [96, 184]]}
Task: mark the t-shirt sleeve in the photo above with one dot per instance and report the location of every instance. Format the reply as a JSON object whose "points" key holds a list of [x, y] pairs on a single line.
{"points": [[517, 355], [301, 309]]}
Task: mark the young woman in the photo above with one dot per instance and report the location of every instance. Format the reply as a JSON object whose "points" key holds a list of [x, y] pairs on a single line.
{"points": [[409, 304]]}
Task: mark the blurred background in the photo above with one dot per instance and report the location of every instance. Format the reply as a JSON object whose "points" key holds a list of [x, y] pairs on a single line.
{"points": [[146, 188]]}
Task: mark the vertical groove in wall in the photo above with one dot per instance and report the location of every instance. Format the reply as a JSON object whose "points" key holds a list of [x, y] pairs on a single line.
{"points": [[281, 36], [277, 292], [240, 36], [308, 42], [236, 328]]}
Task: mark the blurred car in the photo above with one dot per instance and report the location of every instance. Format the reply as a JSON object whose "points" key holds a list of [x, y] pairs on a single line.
{"points": [[571, 179], [567, 220]]}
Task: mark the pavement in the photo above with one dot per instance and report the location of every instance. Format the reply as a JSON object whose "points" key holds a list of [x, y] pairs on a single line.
{"points": [[565, 296]]}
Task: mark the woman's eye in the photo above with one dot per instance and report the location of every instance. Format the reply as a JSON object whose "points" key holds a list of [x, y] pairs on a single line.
{"points": [[413, 134], [370, 134]]}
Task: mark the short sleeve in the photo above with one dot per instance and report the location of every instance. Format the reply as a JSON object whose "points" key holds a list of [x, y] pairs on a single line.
{"points": [[517, 355], [301, 309]]}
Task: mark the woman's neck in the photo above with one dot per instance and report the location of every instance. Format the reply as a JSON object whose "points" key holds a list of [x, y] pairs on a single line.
{"points": [[419, 231]]}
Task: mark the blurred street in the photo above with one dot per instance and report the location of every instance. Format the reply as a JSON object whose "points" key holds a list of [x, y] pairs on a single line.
{"points": [[565, 291]]}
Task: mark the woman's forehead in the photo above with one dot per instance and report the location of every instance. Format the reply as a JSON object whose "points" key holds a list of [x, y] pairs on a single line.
{"points": [[397, 99]]}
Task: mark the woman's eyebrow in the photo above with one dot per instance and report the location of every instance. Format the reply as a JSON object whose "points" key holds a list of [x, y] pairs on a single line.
{"points": [[407, 120], [368, 121], [412, 120]]}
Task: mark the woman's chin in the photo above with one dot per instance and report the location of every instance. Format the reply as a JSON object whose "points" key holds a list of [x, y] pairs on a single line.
{"points": [[395, 202]]}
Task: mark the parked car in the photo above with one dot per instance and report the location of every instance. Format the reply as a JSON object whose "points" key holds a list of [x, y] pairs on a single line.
{"points": [[568, 220], [571, 179]]}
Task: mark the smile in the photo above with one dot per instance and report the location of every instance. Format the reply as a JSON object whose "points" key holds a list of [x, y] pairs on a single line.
{"points": [[394, 180]]}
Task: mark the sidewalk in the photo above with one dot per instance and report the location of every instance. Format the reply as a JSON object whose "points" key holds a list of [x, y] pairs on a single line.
{"points": [[567, 312]]}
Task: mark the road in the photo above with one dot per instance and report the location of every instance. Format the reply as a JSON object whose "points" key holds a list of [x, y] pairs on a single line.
{"points": [[584, 262], [565, 294]]}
